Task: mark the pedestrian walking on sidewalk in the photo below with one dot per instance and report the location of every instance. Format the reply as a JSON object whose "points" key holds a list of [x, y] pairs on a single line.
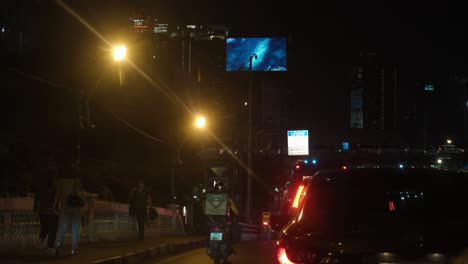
{"points": [[44, 204], [139, 201], [69, 202]]}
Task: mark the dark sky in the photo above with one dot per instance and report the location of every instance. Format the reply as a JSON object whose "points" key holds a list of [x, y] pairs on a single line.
{"points": [[427, 41]]}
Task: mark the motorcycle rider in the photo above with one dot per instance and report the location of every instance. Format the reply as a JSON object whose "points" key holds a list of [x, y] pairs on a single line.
{"points": [[226, 220]]}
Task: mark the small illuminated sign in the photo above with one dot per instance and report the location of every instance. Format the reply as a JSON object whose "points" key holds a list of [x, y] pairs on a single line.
{"points": [[429, 87], [298, 142]]}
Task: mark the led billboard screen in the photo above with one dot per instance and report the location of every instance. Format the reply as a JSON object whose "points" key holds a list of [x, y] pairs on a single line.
{"points": [[271, 54]]}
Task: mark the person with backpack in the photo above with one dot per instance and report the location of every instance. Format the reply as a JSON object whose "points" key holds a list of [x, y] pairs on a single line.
{"points": [[69, 202], [44, 205]]}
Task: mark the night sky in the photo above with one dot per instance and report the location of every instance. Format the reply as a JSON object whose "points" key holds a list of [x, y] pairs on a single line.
{"points": [[427, 42]]}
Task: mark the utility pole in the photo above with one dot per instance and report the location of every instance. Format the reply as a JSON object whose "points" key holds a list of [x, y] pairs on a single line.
{"points": [[464, 81], [465, 108], [79, 127], [395, 98], [174, 168], [249, 162]]}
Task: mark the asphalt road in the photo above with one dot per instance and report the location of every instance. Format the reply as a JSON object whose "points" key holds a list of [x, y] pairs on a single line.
{"points": [[258, 252]]}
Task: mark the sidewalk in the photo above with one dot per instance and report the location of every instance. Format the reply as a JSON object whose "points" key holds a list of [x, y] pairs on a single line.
{"points": [[92, 252]]}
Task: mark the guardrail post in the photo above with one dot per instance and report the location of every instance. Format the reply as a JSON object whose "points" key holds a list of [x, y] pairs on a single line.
{"points": [[8, 224], [116, 221], [91, 217], [159, 225], [174, 210]]}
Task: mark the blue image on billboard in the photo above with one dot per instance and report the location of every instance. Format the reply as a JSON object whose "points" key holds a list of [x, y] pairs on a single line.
{"points": [[345, 146], [271, 54]]}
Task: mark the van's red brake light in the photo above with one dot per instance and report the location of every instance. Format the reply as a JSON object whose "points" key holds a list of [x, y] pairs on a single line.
{"points": [[282, 257]]}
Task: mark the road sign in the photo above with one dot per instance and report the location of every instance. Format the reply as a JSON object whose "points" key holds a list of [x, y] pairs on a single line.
{"points": [[298, 142]]}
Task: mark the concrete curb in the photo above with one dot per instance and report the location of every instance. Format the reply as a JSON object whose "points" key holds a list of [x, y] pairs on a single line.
{"points": [[154, 252]]}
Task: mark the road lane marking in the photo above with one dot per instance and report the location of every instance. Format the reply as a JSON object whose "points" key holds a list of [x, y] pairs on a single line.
{"points": [[180, 256]]}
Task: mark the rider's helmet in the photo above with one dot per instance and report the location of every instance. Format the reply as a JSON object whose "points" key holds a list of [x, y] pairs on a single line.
{"points": [[220, 187]]}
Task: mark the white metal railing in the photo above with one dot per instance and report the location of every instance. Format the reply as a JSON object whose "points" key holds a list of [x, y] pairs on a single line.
{"points": [[101, 220]]}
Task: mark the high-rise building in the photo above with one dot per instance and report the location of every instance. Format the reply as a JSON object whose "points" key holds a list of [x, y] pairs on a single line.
{"points": [[183, 40], [141, 23], [273, 116], [373, 94]]}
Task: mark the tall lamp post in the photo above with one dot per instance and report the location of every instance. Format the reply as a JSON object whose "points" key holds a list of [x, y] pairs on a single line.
{"points": [[249, 153], [119, 53], [465, 109], [200, 123], [464, 81]]}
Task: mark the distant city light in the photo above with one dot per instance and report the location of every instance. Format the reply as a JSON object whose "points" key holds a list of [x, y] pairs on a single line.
{"points": [[449, 141], [401, 166], [429, 87], [160, 28], [439, 161]]}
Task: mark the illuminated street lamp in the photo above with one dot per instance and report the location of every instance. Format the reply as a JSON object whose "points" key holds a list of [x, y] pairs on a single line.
{"points": [[439, 161], [449, 141], [200, 122], [119, 52]]}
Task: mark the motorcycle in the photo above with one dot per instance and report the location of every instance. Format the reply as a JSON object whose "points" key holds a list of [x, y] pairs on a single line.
{"points": [[219, 246], [267, 231]]}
